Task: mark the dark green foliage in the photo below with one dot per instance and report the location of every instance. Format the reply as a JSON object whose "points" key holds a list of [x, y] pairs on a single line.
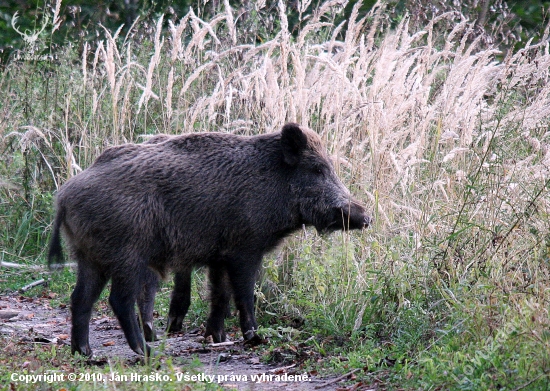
{"points": [[80, 20]]}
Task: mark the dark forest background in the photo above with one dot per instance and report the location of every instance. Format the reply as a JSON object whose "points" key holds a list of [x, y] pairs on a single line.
{"points": [[81, 20]]}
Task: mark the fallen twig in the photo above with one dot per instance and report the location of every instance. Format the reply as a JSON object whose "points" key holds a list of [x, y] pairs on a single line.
{"points": [[54, 267], [59, 266], [32, 285], [282, 368], [8, 314], [226, 343], [19, 266], [529, 382], [337, 379]]}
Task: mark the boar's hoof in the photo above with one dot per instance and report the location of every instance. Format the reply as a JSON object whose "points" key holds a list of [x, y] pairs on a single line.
{"points": [[175, 324], [149, 332], [253, 339], [83, 351], [217, 335]]}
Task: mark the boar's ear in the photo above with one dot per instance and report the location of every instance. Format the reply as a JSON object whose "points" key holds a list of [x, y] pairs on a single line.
{"points": [[293, 142]]}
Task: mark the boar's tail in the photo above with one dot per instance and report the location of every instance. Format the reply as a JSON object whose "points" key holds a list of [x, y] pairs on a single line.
{"points": [[55, 253]]}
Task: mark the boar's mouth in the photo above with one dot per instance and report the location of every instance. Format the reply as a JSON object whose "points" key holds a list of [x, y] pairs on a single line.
{"points": [[352, 217]]}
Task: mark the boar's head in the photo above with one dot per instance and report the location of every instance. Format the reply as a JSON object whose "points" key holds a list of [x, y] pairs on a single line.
{"points": [[319, 196]]}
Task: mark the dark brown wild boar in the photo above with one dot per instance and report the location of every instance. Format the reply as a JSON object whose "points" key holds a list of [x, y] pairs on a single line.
{"points": [[179, 202]]}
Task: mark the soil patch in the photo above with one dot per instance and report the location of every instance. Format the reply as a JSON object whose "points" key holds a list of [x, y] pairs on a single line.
{"points": [[33, 320]]}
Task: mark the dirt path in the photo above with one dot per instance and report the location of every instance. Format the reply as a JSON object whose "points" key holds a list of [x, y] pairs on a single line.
{"points": [[34, 320]]}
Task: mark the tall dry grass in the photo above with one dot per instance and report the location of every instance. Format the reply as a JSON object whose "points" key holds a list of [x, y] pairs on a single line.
{"points": [[444, 139]]}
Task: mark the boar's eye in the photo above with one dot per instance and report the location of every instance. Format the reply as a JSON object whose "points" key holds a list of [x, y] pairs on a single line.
{"points": [[318, 170]]}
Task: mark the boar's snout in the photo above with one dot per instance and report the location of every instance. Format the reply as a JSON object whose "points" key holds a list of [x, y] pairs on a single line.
{"points": [[350, 216], [354, 216]]}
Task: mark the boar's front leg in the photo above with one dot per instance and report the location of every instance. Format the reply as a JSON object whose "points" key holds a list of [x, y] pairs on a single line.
{"points": [[220, 295], [124, 292], [146, 300], [180, 301], [89, 284], [242, 277]]}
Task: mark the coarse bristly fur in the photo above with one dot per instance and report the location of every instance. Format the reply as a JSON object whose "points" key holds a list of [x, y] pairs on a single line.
{"points": [[176, 202]]}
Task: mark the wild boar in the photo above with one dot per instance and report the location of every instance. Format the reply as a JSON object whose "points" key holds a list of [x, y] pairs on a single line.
{"points": [[179, 202]]}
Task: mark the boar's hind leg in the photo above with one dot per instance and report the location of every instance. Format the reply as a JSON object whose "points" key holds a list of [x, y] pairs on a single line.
{"points": [[242, 277], [146, 301], [89, 284], [220, 294], [124, 292], [180, 301]]}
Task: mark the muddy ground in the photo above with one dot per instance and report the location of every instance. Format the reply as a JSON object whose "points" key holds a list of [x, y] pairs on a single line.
{"points": [[33, 320]]}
